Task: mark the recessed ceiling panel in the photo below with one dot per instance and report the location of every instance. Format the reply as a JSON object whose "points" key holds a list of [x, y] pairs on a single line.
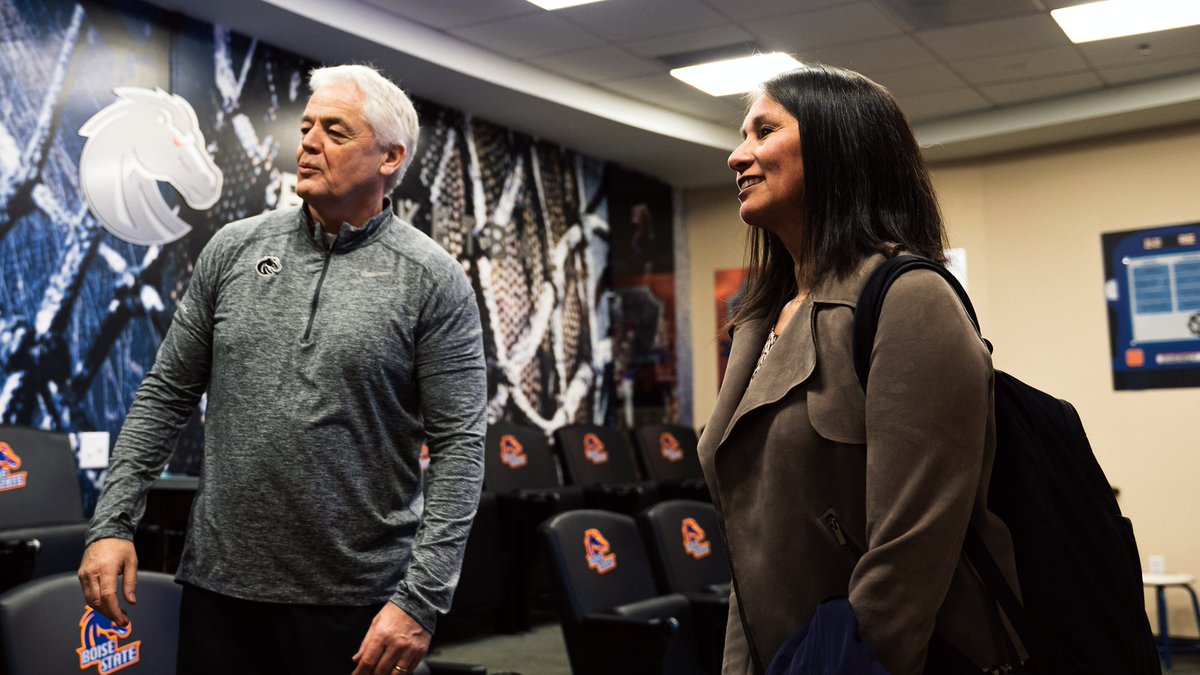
{"points": [[1042, 88], [1024, 66], [943, 104], [598, 64], [1005, 36], [1141, 49], [931, 14], [1151, 70], [921, 81], [443, 15], [670, 93], [626, 20], [830, 26], [877, 56], [529, 35], [689, 41], [744, 10]]}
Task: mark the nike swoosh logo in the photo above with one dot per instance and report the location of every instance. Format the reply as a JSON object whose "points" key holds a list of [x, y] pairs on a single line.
{"points": [[376, 274]]}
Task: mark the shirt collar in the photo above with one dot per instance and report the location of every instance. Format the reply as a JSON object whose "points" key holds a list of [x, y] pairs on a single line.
{"points": [[349, 237]]}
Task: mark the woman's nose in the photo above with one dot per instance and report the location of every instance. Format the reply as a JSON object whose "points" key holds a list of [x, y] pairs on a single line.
{"points": [[740, 159]]}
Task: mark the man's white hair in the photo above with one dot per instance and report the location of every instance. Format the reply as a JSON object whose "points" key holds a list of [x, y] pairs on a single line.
{"points": [[385, 106]]}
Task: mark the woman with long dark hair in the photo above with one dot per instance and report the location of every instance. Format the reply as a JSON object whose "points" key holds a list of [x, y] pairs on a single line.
{"points": [[823, 489]]}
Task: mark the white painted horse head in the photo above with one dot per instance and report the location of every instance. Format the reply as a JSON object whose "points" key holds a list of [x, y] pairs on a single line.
{"points": [[146, 136]]}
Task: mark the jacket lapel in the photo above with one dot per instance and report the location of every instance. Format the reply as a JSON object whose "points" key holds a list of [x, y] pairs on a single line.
{"points": [[791, 362]]}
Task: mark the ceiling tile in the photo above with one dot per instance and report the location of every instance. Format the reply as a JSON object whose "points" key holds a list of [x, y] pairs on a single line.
{"points": [[916, 81], [1025, 66], [877, 56], [1138, 49], [830, 26], [611, 20], [743, 10], [1043, 88], [1147, 71], [598, 64], [670, 93], [987, 38], [930, 14], [943, 104], [691, 41], [443, 15], [526, 36]]}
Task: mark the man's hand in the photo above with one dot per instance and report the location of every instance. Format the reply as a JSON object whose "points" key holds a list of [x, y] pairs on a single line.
{"points": [[103, 562], [394, 644]]}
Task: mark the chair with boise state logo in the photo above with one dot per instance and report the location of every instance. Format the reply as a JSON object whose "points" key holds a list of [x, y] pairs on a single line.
{"points": [[690, 558], [600, 460], [668, 455], [46, 629], [614, 618], [520, 468], [42, 526]]}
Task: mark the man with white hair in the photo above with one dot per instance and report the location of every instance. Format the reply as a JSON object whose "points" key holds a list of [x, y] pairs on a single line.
{"points": [[332, 341]]}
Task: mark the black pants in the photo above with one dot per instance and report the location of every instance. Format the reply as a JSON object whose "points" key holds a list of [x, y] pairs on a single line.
{"points": [[220, 634]]}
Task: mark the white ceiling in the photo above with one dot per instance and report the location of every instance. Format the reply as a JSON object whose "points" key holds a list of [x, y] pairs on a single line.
{"points": [[976, 77]]}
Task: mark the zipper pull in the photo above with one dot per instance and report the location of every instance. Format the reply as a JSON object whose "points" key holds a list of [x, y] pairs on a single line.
{"points": [[835, 527]]}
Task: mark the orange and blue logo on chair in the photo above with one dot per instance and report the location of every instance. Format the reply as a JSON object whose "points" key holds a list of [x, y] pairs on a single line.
{"points": [[99, 646], [598, 553], [593, 449], [512, 453], [424, 458], [10, 461], [695, 541], [671, 450]]}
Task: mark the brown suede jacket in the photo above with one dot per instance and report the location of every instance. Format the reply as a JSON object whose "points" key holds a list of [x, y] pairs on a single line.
{"points": [[822, 491]]}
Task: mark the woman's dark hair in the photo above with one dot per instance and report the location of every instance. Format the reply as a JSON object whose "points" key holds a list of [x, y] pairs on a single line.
{"points": [[866, 188]]}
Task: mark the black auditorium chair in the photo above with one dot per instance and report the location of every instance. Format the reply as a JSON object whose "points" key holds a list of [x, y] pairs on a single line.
{"points": [[480, 594], [42, 527], [601, 461], [614, 620], [690, 558], [46, 629], [668, 454], [520, 469]]}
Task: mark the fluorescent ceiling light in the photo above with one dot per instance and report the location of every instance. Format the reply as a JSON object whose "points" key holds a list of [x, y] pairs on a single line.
{"points": [[1116, 18], [735, 76], [559, 4]]}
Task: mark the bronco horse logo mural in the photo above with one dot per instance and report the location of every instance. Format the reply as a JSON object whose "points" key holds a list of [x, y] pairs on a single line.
{"points": [[145, 137]]}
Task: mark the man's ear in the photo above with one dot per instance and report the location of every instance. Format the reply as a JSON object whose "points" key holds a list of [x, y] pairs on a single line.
{"points": [[393, 159]]}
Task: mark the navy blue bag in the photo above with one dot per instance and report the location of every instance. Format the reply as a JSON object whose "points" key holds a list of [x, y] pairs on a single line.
{"points": [[828, 645]]}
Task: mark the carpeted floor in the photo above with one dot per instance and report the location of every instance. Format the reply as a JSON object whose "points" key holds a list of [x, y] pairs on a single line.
{"points": [[541, 652]]}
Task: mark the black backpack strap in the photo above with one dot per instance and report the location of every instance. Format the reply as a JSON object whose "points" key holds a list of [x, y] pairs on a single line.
{"points": [[870, 304], [866, 324]]}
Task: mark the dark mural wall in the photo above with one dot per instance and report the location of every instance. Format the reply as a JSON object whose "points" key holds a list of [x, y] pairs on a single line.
{"points": [[82, 310]]}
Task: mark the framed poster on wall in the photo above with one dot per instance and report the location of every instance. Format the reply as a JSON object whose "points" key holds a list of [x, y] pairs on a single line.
{"points": [[1152, 284]]}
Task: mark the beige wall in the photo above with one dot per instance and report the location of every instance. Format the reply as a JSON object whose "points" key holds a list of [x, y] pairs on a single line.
{"points": [[1031, 227]]}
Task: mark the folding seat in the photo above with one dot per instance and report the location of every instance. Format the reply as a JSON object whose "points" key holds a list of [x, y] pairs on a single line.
{"points": [[614, 619], [668, 455], [689, 557], [601, 461], [46, 629], [520, 469], [42, 527]]}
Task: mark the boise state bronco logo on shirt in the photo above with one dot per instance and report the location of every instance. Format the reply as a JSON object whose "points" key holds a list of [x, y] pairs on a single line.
{"points": [[10, 461], [99, 647], [598, 553], [593, 449], [695, 541], [512, 453], [669, 446]]}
